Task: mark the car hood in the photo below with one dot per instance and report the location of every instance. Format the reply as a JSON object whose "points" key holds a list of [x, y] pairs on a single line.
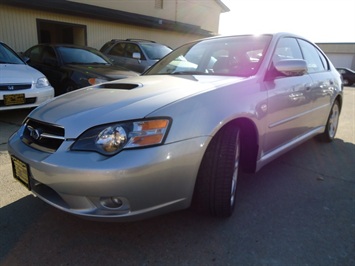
{"points": [[19, 74], [121, 100], [108, 71]]}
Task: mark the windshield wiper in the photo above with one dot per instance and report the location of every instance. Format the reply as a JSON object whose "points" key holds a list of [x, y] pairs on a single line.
{"points": [[97, 63], [188, 73], [75, 63], [86, 63], [5, 62]]}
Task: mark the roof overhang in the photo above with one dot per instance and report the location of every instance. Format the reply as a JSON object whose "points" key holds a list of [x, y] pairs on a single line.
{"points": [[107, 14], [223, 6]]}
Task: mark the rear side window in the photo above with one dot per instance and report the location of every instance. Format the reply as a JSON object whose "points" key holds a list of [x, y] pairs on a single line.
{"points": [[48, 53], [316, 62], [35, 54], [118, 49], [105, 47]]}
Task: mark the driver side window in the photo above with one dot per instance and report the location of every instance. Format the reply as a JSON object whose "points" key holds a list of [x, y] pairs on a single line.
{"points": [[287, 48], [35, 54], [132, 48]]}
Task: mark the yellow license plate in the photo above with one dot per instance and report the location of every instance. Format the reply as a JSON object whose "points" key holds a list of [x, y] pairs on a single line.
{"points": [[20, 171], [13, 99]]}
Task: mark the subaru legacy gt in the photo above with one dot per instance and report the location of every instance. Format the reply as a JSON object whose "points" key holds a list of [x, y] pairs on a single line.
{"points": [[178, 135]]}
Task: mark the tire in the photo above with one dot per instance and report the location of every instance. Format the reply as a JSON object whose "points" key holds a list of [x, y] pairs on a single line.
{"points": [[346, 82], [332, 124], [216, 182]]}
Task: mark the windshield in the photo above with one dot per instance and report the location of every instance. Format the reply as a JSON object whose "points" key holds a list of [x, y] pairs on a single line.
{"points": [[229, 56], [7, 56], [155, 51], [71, 55]]}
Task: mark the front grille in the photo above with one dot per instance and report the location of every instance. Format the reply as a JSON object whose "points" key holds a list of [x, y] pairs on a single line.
{"points": [[43, 136], [15, 87]]}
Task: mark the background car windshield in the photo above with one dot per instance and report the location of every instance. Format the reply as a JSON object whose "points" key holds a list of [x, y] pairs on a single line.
{"points": [[7, 56], [155, 51], [230, 56], [72, 55]]}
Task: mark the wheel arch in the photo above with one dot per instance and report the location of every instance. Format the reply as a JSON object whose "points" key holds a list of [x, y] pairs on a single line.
{"points": [[249, 142], [209, 191]]}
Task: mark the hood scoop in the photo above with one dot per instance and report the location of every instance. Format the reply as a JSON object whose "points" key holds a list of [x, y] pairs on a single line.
{"points": [[118, 86]]}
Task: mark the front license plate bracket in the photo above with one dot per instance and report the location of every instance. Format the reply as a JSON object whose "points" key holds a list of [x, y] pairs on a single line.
{"points": [[14, 99], [21, 172]]}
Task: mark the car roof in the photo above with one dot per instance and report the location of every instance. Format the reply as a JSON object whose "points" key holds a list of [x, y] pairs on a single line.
{"points": [[55, 45], [133, 40]]}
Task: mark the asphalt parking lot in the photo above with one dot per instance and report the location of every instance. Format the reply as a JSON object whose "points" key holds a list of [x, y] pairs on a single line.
{"points": [[298, 210]]}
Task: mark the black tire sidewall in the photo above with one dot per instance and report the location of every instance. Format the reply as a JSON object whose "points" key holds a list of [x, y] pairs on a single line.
{"points": [[214, 179]]}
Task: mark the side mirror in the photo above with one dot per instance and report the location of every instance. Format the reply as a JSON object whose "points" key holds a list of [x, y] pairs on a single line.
{"points": [[292, 67], [23, 57], [136, 55], [26, 59]]}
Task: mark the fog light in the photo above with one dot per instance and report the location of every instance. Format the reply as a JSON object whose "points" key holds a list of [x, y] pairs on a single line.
{"points": [[111, 202]]}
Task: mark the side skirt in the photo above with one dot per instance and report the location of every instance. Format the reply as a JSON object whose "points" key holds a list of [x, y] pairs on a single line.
{"points": [[268, 157]]}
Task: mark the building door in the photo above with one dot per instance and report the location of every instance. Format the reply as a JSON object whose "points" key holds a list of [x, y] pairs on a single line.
{"points": [[60, 32]]}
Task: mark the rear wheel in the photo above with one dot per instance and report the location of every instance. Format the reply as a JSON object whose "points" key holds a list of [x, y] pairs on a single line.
{"points": [[332, 124], [216, 182]]}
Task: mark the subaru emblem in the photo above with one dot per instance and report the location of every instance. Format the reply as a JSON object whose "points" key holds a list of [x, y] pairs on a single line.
{"points": [[34, 133]]}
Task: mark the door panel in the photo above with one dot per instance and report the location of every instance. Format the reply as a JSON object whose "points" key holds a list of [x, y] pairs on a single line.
{"points": [[289, 104], [322, 83], [289, 99]]}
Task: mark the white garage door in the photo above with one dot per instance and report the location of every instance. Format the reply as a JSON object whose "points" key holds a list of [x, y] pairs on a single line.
{"points": [[342, 60]]}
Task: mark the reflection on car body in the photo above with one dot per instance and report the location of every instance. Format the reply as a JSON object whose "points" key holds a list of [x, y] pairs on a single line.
{"points": [[178, 135], [348, 75], [135, 54], [70, 67]]}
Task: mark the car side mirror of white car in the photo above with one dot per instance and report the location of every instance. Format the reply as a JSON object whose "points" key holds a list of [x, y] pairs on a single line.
{"points": [[292, 67]]}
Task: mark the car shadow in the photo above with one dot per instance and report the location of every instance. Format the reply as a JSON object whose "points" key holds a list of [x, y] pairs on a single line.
{"points": [[300, 199], [10, 122]]}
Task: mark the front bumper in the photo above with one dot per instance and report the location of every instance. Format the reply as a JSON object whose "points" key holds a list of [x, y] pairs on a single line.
{"points": [[34, 97], [148, 182]]}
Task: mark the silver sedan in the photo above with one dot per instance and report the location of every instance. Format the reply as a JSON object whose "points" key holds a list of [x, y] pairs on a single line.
{"points": [[178, 135]]}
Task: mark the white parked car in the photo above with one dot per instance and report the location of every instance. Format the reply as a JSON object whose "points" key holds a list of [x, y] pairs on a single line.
{"points": [[179, 134], [21, 86]]}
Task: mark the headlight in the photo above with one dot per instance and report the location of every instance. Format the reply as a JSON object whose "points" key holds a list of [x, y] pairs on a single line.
{"points": [[42, 82], [111, 139]]}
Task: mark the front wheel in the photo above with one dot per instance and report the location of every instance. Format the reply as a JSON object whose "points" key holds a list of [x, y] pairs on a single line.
{"points": [[332, 124], [216, 183]]}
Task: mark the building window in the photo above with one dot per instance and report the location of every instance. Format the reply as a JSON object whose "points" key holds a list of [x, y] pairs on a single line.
{"points": [[159, 4]]}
